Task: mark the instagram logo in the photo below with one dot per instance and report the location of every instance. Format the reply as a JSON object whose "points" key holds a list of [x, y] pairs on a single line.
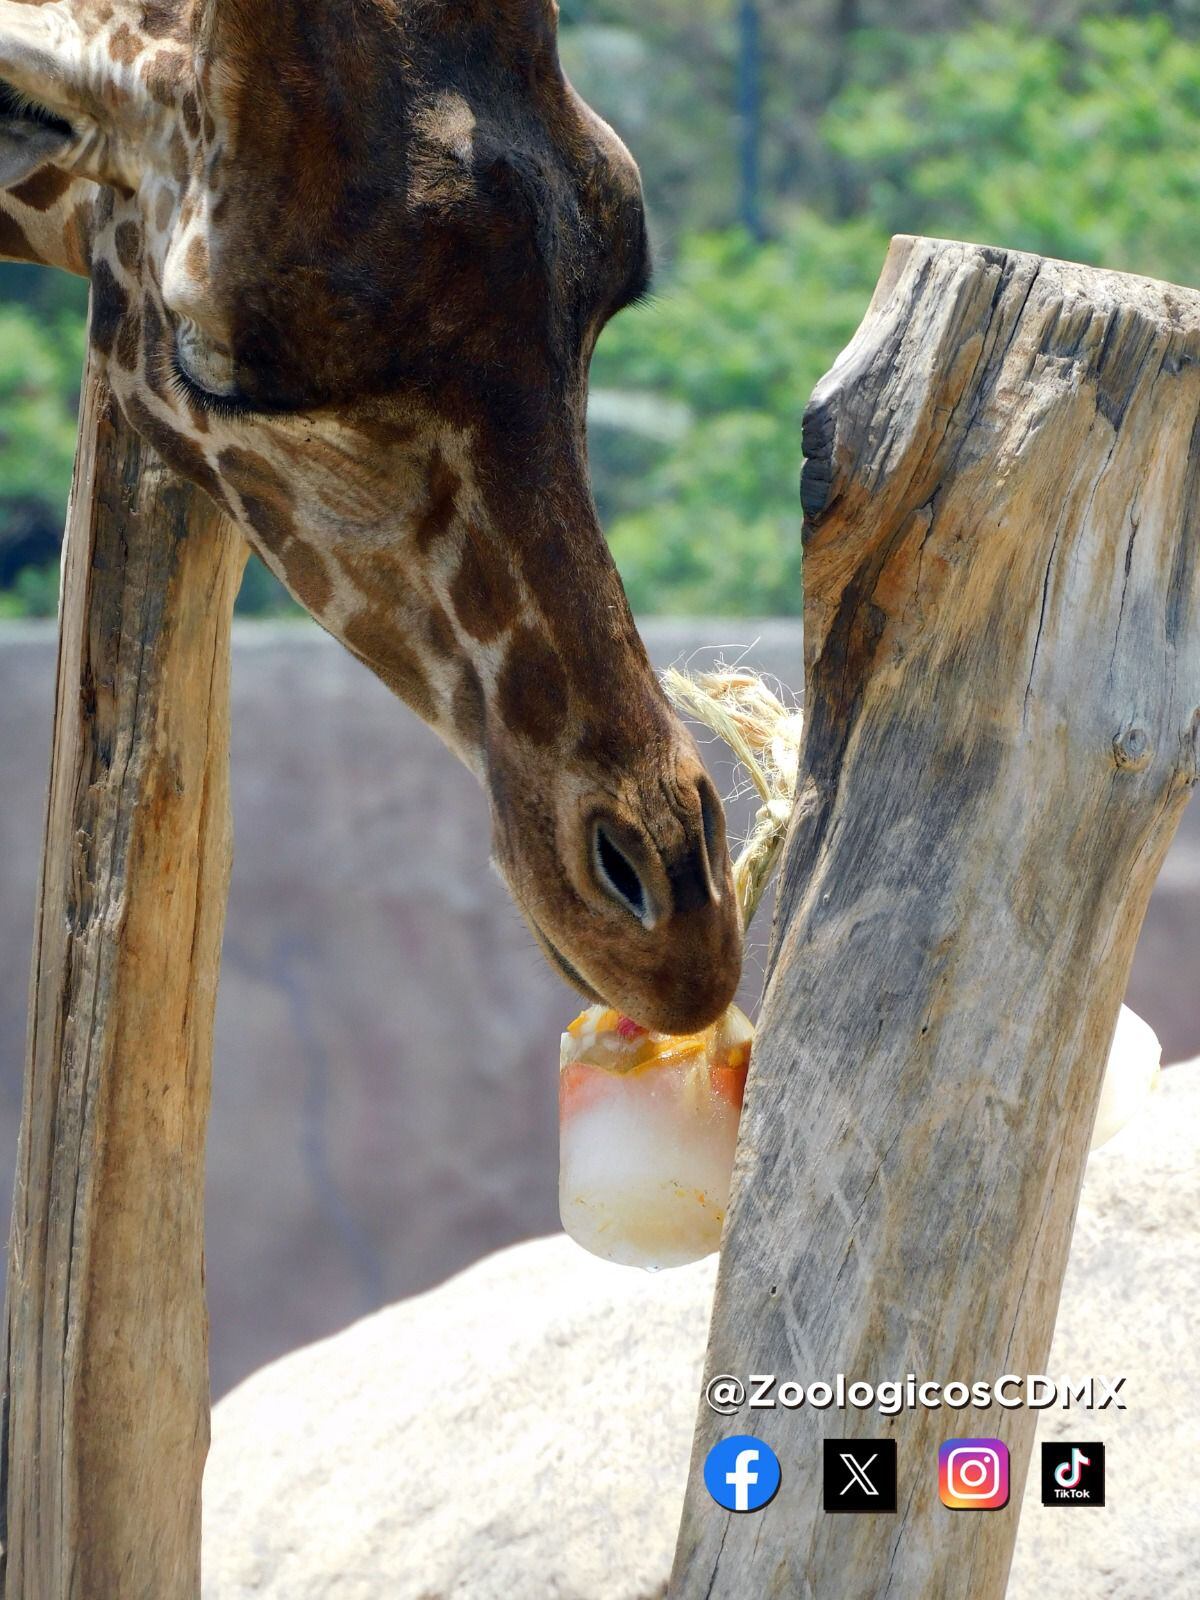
{"points": [[973, 1474]]}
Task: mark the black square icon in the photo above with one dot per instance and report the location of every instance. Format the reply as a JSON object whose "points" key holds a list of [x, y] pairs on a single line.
{"points": [[1072, 1474], [860, 1475]]}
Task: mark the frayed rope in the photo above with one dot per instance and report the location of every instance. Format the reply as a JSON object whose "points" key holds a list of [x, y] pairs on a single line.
{"points": [[764, 734]]}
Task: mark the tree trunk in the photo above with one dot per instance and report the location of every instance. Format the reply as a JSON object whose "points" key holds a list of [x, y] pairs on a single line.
{"points": [[106, 1372], [1002, 648]]}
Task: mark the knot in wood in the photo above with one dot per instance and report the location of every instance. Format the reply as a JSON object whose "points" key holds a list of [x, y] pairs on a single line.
{"points": [[1131, 749]]}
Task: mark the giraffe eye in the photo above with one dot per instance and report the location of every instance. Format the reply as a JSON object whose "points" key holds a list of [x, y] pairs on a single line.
{"points": [[206, 370]]}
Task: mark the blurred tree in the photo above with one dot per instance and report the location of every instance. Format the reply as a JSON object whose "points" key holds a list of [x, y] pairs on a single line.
{"points": [[1088, 150], [750, 117], [41, 361], [710, 520], [1065, 126]]}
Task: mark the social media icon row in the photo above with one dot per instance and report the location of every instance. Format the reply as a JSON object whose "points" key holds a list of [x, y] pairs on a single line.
{"points": [[742, 1473]]}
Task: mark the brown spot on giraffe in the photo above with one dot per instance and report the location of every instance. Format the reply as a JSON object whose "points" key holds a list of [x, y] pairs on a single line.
{"points": [[306, 575], [442, 488], [371, 636], [382, 427], [110, 305], [165, 75], [469, 708], [128, 342], [118, 100], [264, 494], [124, 46], [532, 696], [14, 242], [164, 19], [180, 156], [128, 240], [44, 189], [439, 634], [154, 342], [190, 108], [381, 572], [77, 238], [484, 592]]}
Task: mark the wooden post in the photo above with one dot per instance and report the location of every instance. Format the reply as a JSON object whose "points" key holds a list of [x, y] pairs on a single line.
{"points": [[105, 1421], [1002, 642]]}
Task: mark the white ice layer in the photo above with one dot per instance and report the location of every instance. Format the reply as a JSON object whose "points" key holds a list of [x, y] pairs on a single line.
{"points": [[644, 1179]]}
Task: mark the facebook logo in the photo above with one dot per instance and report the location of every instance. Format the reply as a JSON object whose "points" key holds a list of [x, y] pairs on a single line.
{"points": [[742, 1473]]}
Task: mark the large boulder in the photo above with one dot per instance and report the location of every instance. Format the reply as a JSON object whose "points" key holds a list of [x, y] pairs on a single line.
{"points": [[522, 1433]]}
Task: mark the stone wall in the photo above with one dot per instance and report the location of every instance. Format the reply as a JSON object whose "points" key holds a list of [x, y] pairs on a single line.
{"points": [[387, 1033]]}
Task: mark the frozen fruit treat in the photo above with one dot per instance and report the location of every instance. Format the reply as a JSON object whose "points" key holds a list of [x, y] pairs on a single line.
{"points": [[648, 1125]]}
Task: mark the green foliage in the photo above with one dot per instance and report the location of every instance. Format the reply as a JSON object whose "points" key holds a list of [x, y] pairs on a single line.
{"points": [[711, 521], [1086, 148], [40, 365], [34, 592], [1084, 145], [262, 595], [1071, 127]]}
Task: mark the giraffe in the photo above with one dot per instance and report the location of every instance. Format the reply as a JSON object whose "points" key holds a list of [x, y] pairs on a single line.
{"points": [[349, 260]]}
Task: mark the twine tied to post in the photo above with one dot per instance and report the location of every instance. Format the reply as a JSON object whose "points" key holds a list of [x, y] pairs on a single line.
{"points": [[764, 734]]}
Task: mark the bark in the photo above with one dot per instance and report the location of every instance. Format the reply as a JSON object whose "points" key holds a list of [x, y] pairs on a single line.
{"points": [[1003, 701], [105, 1421]]}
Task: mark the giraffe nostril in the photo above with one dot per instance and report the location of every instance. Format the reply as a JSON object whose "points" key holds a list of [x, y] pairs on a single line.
{"points": [[712, 823], [617, 875], [695, 873]]}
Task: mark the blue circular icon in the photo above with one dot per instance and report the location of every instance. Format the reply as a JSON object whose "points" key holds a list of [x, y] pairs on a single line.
{"points": [[742, 1473]]}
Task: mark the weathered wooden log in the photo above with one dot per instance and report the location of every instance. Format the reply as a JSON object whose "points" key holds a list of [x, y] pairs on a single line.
{"points": [[1003, 702], [105, 1420]]}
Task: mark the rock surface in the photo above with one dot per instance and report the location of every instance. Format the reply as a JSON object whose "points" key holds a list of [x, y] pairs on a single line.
{"points": [[522, 1433]]}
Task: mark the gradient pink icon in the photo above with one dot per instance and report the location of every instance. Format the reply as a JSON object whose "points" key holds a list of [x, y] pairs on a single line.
{"points": [[973, 1474]]}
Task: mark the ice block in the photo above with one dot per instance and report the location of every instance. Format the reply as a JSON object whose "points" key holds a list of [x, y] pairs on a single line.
{"points": [[648, 1124]]}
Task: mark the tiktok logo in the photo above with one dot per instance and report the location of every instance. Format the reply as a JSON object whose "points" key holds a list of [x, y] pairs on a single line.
{"points": [[742, 1473], [1072, 1474], [1069, 1473]]}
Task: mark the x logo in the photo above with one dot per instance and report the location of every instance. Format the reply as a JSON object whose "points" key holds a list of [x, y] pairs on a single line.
{"points": [[858, 1473]]}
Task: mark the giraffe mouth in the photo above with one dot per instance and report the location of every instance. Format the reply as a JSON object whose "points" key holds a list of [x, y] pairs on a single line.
{"points": [[563, 967]]}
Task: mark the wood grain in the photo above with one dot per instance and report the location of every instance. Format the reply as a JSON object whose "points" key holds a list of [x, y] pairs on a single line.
{"points": [[1003, 702], [105, 1421]]}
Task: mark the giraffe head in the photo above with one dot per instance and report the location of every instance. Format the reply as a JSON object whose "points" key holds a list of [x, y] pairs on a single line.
{"points": [[349, 261]]}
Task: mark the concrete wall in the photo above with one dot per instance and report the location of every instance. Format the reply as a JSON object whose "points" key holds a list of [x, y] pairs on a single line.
{"points": [[387, 1033]]}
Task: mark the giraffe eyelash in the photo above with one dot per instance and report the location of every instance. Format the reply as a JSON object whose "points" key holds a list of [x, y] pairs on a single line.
{"points": [[228, 407]]}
